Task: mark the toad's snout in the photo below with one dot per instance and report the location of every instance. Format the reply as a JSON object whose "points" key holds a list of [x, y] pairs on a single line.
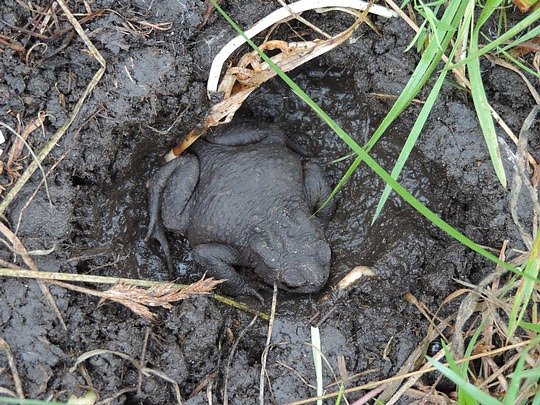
{"points": [[310, 275]]}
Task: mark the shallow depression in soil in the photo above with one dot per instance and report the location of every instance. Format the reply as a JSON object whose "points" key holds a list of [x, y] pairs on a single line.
{"points": [[396, 245]]}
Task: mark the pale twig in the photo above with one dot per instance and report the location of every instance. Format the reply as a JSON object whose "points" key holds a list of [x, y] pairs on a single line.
{"points": [[23, 141], [145, 370], [142, 361], [267, 346], [229, 360], [138, 300], [369, 396], [13, 367], [303, 20], [62, 130]]}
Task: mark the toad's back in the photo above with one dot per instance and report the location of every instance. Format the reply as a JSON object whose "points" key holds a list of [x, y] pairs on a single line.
{"points": [[241, 188]]}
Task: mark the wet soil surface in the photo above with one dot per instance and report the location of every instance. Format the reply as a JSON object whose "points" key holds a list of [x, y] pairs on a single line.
{"points": [[95, 213]]}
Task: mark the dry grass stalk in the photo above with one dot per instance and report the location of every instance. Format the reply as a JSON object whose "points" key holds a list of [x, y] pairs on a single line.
{"points": [[13, 271], [13, 367], [139, 299], [267, 346], [19, 249], [12, 166], [374, 384]]}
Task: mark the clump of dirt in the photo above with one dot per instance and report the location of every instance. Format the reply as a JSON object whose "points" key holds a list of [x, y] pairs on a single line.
{"points": [[95, 213]]}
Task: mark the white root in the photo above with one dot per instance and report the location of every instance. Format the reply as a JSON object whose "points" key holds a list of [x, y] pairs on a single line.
{"points": [[280, 15]]}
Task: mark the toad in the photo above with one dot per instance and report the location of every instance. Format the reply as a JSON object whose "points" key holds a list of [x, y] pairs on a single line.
{"points": [[244, 199]]}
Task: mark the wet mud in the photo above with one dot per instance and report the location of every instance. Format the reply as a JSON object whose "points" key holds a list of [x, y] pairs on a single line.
{"points": [[95, 212]]}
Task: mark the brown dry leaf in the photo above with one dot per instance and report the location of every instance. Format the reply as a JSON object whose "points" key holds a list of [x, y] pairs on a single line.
{"points": [[533, 45]]}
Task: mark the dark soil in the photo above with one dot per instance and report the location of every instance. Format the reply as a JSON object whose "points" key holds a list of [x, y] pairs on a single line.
{"points": [[97, 214]]}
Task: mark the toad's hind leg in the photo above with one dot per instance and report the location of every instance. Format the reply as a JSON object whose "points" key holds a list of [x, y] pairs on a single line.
{"points": [[184, 170], [219, 261]]}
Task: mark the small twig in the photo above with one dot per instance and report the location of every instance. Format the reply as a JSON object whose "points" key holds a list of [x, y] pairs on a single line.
{"points": [[229, 360], [13, 368], [303, 20], [267, 346], [142, 361], [87, 278]]}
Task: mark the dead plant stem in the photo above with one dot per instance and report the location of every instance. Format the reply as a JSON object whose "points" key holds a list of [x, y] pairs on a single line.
{"points": [[411, 374], [87, 278]]}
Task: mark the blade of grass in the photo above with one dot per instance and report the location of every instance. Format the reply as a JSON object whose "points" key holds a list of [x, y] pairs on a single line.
{"points": [[362, 154], [463, 396], [422, 117], [518, 63], [530, 326], [483, 113], [428, 62], [529, 35], [317, 360], [515, 30], [518, 374], [525, 289], [473, 391], [22, 401], [340, 394]]}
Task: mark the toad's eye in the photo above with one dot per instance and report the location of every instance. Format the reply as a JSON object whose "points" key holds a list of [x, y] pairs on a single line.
{"points": [[257, 230]]}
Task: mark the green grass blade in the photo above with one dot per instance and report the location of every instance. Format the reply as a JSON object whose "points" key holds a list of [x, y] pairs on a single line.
{"points": [[529, 35], [362, 154], [487, 10], [463, 396], [533, 373], [483, 112], [530, 326], [474, 392], [424, 113], [21, 401], [411, 141], [428, 62], [519, 64], [340, 394], [344, 179], [526, 288], [515, 30], [518, 375]]}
